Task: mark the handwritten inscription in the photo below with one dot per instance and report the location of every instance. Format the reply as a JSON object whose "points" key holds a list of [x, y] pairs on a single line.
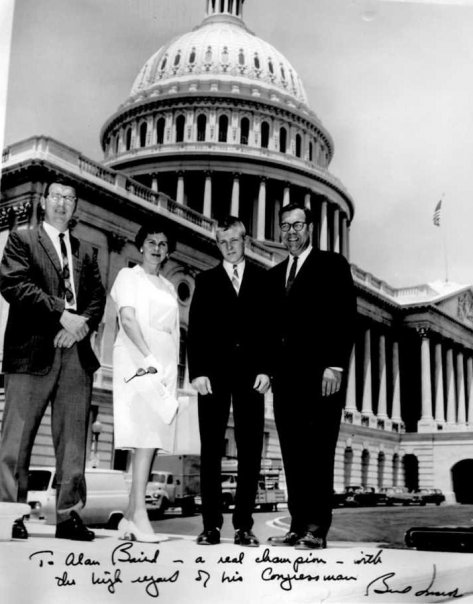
{"points": [[134, 565]]}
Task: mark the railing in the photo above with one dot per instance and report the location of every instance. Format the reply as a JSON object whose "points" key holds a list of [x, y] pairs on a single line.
{"points": [[186, 213]]}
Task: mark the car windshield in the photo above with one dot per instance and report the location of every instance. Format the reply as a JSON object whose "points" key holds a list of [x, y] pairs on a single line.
{"points": [[38, 480], [158, 478]]}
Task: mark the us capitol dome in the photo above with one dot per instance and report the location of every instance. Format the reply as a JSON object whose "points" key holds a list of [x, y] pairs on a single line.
{"points": [[219, 120]]}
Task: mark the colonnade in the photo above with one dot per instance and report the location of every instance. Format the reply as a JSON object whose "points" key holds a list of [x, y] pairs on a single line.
{"points": [[447, 384]]}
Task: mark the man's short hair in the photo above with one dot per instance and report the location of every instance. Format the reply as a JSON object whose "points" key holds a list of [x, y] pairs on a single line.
{"points": [[230, 222], [59, 180], [296, 206]]}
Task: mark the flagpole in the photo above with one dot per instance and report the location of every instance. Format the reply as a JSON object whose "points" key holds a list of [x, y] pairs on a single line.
{"points": [[438, 222]]}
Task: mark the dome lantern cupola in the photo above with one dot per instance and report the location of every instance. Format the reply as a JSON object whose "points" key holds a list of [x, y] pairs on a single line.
{"points": [[225, 7]]}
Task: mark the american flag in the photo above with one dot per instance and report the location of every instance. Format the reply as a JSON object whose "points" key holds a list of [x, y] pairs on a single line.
{"points": [[436, 217]]}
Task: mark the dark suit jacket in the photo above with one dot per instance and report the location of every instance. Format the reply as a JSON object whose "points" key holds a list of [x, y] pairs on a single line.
{"points": [[31, 281], [314, 324], [224, 327]]}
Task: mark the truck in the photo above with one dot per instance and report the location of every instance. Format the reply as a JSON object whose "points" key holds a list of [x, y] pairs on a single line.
{"points": [[269, 494], [174, 482]]}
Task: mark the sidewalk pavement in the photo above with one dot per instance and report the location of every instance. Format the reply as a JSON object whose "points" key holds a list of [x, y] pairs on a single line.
{"points": [[45, 570]]}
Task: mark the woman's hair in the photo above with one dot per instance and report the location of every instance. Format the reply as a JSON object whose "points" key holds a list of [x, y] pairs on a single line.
{"points": [[151, 228]]}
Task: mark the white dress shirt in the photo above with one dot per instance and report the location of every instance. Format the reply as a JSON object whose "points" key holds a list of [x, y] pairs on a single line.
{"points": [[228, 266], [53, 234]]}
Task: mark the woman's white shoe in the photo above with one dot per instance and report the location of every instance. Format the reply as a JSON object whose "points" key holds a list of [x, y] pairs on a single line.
{"points": [[133, 533]]}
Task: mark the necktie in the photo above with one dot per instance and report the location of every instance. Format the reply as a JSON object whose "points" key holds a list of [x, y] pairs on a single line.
{"points": [[236, 278], [292, 274], [66, 273]]}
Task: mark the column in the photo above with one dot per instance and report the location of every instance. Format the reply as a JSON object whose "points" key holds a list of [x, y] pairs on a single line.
{"points": [[344, 236], [286, 200], [426, 423], [469, 390], [461, 417], [323, 226], [180, 188], [307, 200], [261, 215], [439, 398], [382, 412], [367, 406], [350, 402], [235, 206], [396, 407], [208, 195], [336, 230], [154, 181], [451, 415]]}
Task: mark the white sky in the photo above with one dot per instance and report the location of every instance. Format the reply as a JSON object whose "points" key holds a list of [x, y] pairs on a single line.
{"points": [[392, 82]]}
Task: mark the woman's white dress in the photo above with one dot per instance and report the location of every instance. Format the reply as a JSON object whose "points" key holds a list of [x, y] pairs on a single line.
{"points": [[140, 407]]}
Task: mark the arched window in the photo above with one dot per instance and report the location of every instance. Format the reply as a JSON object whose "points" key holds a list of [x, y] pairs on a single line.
{"points": [[177, 59], [160, 130], [311, 151], [241, 57], [244, 131], [270, 67], [143, 130], [282, 140], [298, 145], [180, 123], [222, 128], [117, 143], [264, 135], [201, 126], [192, 56], [128, 139], [163, 63], [256, 61], [365, 465], [208, 55]]}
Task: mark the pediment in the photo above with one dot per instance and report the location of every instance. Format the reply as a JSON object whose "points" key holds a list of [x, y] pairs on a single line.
{"points": [[459, 306]]}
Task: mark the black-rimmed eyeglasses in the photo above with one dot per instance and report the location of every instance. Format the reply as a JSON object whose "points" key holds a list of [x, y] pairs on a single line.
{"points": [[141, 371], [297, 226]]}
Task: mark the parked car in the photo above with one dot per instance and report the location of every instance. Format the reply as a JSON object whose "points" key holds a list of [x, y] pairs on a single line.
{"points": [[107, 496], [401, 495], [357, 495], [431, 496], [338, 499], [174, 483]]}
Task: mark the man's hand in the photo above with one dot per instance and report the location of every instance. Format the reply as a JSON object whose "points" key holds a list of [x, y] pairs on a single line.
{"points": [[331, 381], [202, 385], [64, 339], [74, 324], [262, 383]]}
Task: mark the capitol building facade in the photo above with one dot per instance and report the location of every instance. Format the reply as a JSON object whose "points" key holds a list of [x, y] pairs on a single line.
{"points": [[218, 122]]}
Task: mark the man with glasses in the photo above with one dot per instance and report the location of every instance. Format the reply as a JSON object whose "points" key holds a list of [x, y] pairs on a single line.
{"points": [[228, 365], [313, 307], [52, 282]]}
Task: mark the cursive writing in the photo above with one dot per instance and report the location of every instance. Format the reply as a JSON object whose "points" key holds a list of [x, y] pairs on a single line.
{"points": [[123, 553], [369, 558], [80, 559], [152, 582], [108, 579], [381, 585]]}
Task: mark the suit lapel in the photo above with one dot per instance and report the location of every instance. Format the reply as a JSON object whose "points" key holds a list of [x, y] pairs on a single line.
{"points": [[305, 270], [224, 282], [49, 249], [76, 261]]}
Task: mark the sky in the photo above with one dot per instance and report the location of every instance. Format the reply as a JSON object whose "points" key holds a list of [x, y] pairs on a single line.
{"points": [[391, 80]]}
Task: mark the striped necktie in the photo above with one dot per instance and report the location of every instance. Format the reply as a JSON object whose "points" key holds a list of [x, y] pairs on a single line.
{"points": [[236, 278], [66, 273], [292, 274]]}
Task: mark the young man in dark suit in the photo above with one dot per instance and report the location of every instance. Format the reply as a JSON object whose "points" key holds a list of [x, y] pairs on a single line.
{"points": [[52, 282], [314, 308], [228, 364]]}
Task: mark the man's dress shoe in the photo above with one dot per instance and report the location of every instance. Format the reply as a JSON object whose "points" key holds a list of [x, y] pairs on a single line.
{"points": [[73, 528], [18, 530], [289, 539], [209, 537], [310, 541], [246, 538]]}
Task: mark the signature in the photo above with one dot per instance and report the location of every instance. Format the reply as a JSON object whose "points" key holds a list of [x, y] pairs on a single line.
{"points": [[381, 585]]}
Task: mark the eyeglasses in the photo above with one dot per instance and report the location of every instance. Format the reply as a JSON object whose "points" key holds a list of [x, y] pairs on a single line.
{"points": [[286, 226], [67, 198], [141, 371]]}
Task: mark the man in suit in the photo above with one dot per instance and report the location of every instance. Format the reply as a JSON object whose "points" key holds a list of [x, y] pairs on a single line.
{"points": [[228, 364], [313, 306], [52, 282]]}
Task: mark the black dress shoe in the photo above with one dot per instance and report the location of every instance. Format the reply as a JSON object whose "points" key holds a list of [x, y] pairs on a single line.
{"points": [[289, 539], [246, 538], [73, 528], [209, 537], [310, 541], [18, 530]]}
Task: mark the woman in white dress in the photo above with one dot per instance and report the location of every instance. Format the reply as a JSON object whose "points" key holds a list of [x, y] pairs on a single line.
{"points": [[145, 358]]}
